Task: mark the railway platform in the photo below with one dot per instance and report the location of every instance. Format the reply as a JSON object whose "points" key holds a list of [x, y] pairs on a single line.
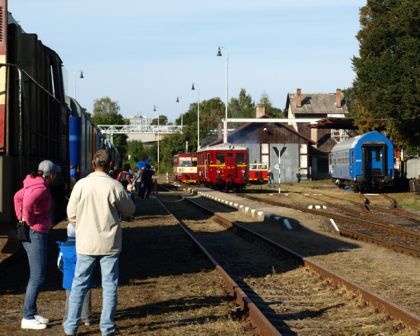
{"points": [[166, 287]]}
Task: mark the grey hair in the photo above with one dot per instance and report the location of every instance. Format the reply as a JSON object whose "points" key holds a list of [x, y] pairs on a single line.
{"points": [[102, 158]]}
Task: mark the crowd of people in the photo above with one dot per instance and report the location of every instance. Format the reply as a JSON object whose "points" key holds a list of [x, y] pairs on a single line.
{"points": [[95, 208]]}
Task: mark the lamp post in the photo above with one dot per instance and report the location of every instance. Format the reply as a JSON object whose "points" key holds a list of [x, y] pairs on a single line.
{"points": [[75, 82], [219, 53], [193, 88], [179, 99], [157, 133]]}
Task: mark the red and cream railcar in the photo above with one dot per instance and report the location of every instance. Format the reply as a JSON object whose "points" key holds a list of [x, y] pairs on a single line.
{"points": [[258, 173], [185, 167], [223, 166]]}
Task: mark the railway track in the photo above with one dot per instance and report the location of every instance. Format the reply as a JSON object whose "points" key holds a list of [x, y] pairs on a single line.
{"points": [[284, 286], [394, 237], [388, 217]]}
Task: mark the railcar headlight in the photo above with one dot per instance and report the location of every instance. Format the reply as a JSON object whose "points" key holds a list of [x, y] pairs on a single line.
{"points": [[243, 171], [218, 171]]}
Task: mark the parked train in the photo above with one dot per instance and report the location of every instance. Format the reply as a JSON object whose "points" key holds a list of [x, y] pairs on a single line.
{"points": [[223, 166], [185, 167], [33, 115], [363, 162], [35, 121], [85, 139], [258, 173]]}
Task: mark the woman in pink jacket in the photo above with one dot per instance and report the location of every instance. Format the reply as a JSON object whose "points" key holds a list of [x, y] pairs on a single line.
{"points": [[32, 205]]}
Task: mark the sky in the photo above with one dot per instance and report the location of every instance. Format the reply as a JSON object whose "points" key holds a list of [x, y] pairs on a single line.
{"points": [[145, 53]]}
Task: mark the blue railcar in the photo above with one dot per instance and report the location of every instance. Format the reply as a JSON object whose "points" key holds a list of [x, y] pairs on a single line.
{"points": [[85, 139], [363, 162]]}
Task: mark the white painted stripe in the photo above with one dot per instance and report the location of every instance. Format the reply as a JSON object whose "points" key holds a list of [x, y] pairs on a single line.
{"points": [[334, 225]]}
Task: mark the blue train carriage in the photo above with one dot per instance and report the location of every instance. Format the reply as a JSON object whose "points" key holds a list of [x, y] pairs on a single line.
{"points": [[364, 162], [85, 139]]}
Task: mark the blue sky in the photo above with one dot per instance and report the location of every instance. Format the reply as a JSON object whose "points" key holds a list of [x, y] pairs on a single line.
{"points": [[144, 53]]}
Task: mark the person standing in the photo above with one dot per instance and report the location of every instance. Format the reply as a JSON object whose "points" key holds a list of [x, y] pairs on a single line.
{"points": [[32, 206], [147, 182], [270, 178], [95, 207], [67, 263]]}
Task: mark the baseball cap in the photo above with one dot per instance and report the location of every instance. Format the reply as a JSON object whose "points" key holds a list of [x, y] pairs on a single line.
{"points": [[48, 167]]}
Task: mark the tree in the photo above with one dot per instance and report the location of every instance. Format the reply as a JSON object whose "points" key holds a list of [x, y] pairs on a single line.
{"points": [[388, 68], [242, 107], [163, 120], [269, 109], [106, 112]]}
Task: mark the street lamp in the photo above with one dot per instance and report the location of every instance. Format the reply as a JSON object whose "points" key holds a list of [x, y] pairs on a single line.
{"points": [[219, 53], [75, 81], [158, 149], [198, 113], [179, 99]]}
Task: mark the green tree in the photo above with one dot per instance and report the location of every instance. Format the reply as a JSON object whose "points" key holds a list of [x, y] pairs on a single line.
{"points": [[211, 113], [388, 69], [106, 112], [270, 110], [163, 120], [135, 151], [242, 107]]}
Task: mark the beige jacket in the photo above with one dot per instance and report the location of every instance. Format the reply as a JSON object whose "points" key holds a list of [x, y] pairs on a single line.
{"points": [[95, 205]]}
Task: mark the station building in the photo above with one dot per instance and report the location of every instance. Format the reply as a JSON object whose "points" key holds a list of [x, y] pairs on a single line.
{"points": [[277, 144], [322, 106]]}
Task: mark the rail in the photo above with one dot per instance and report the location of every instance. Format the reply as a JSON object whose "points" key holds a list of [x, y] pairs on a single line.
{"points": [[375, 300]]}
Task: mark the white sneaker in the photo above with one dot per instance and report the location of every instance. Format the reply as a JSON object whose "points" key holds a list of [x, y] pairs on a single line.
{"points": [[32, 324], [41, 319]]}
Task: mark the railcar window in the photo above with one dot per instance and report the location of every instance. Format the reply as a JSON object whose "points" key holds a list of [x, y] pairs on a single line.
{"points": [[185, 163], [220, 158], [240, 158]]}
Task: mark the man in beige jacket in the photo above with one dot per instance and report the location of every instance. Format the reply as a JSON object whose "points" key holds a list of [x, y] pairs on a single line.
{"points": [[95, 207]]}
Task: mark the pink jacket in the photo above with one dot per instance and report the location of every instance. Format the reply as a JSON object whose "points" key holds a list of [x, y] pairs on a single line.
{"points": [[33, 203]]}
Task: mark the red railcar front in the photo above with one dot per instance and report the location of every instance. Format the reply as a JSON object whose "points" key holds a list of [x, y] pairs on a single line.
{"points": [[258, 173], [185, 167], [223, 166]]}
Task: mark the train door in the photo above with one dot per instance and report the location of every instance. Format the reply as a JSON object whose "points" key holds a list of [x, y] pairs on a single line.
{"points": [[207, 161], [240, 164], [374, 161], [230, 162]]}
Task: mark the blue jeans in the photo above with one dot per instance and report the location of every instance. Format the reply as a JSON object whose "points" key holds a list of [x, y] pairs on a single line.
{"points": [[37, 250], [84, 269]]}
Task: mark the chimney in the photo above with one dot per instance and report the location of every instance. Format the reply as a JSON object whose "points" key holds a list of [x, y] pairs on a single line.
{"points": [[259, 111], [298, 98], [338, 98]]}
